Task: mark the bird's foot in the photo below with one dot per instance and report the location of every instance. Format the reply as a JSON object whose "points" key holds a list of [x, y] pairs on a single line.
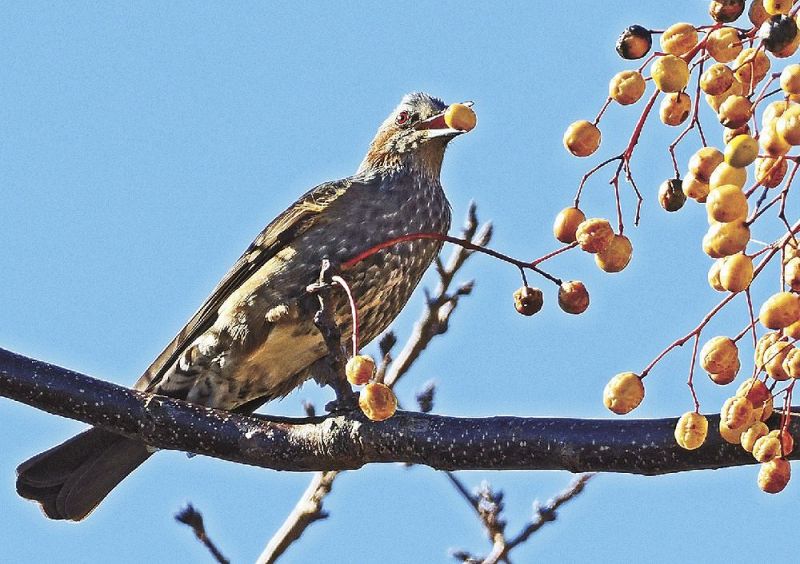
{"points": [[346, 399]]}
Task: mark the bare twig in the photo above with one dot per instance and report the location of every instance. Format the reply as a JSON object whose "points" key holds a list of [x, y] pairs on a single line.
{"points": [[194, 519]]}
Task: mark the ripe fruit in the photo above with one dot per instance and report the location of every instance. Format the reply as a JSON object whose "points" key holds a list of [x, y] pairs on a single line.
{"points": [[719, 354], [634, 42], [582, 138], [780, 310], [757, 13], [678, 39], [566, 224], [736, 273], [704, 161], [770, 171], [461, 117], [792, 332], [670, 195], [616, 256], [726, 239], [735, 111], [764, 411], [716, 79], [724, 378], [527, 300], [670, 73], [573, 297], [764, 342], [725, 11], [713, 275], [741, 151], [774, 475], [691, 430], [377, 401], [623, 393], [726, 203], [736, 413], [675, 108], [733, 436], [726, 174], [791, 274], [728, 134], [773, 111], [777, 32], [627, 87], [788, 125], [594, 234], [771, 142], [790, 79], [766, 448], [695, 188], [775, 7], [774, 356], [751, 64], [360, 369], [786, 440], [752, 434], [723, 44], [754, 390], [791, 364]]}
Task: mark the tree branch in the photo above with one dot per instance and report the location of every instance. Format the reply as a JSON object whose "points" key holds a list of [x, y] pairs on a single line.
{"points": [[338, 442]]}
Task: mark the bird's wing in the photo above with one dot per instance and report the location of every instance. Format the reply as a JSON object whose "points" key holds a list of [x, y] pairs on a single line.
{"points": [[293, 222]]}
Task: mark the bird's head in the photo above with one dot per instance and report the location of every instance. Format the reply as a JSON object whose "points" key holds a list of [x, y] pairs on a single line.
{"points": [[414, 135]]}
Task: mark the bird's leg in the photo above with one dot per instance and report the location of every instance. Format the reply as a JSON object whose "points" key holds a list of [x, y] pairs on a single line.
{"points": [[334, 362]]}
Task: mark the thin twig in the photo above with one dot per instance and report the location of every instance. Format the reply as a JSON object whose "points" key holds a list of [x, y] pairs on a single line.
{"points": [[194, 519]]}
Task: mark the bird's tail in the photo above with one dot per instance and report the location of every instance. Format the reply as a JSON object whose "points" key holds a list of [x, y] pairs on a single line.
{"points": [[71, 479]]}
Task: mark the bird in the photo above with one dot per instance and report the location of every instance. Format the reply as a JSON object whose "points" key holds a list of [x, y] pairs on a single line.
{"points": [[254, 338]]}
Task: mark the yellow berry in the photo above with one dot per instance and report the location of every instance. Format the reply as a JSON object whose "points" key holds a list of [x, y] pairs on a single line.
{"points": [[616, 256], [724, 378], [770, 171], [623, 393], [736, 273], [791, 274], [790, 79], [726, 239], [792, 331], [773, 360], [670, 73], [695, 188], [528, 301], [675, 108], [713, 275], [791, 364], [573, 297], [594, 234], [566, 223], [786, 440], [754, 390], [773, 111], [726, 203], [764, 342], [733, 436], [771, 141], [752, 434], [763, 411], [741, 151], [751, 64], [735, 111], [780, 310], [726, 174], [716, 79], [360, 369], [766, 448], [737, 413], [377, 401], [704, 161], [788, 125], [691, 430], [461, 117], [775, 7], [626, 87], [774, 475], [723, 44], [678, 39], [582, 138], [728, 134], [719, 354]]}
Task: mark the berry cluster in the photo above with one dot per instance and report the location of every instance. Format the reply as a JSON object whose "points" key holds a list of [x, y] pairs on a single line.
{"points": [[758, 108]]}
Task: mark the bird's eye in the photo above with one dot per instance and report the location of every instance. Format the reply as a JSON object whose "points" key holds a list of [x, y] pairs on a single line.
{"points": [[402, 118]]}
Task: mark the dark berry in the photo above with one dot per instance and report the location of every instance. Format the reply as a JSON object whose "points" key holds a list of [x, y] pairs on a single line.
{"points": [[634, 43], [778, 32]]}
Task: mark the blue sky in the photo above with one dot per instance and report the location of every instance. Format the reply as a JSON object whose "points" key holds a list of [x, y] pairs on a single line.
{"points": [[143, 147]]}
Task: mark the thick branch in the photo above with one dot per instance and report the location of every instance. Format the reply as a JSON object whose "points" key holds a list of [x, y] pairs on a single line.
{"points": [[350, 441]]}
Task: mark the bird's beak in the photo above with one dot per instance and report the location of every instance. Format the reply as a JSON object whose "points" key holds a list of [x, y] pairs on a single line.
{"points": [[437, 126]]}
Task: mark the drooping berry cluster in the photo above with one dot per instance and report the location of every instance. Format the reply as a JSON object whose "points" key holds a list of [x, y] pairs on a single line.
{"points": [[758, 108]]}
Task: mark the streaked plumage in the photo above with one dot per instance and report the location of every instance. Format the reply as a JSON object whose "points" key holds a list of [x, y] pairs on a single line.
{"points": [[254, 338]]}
